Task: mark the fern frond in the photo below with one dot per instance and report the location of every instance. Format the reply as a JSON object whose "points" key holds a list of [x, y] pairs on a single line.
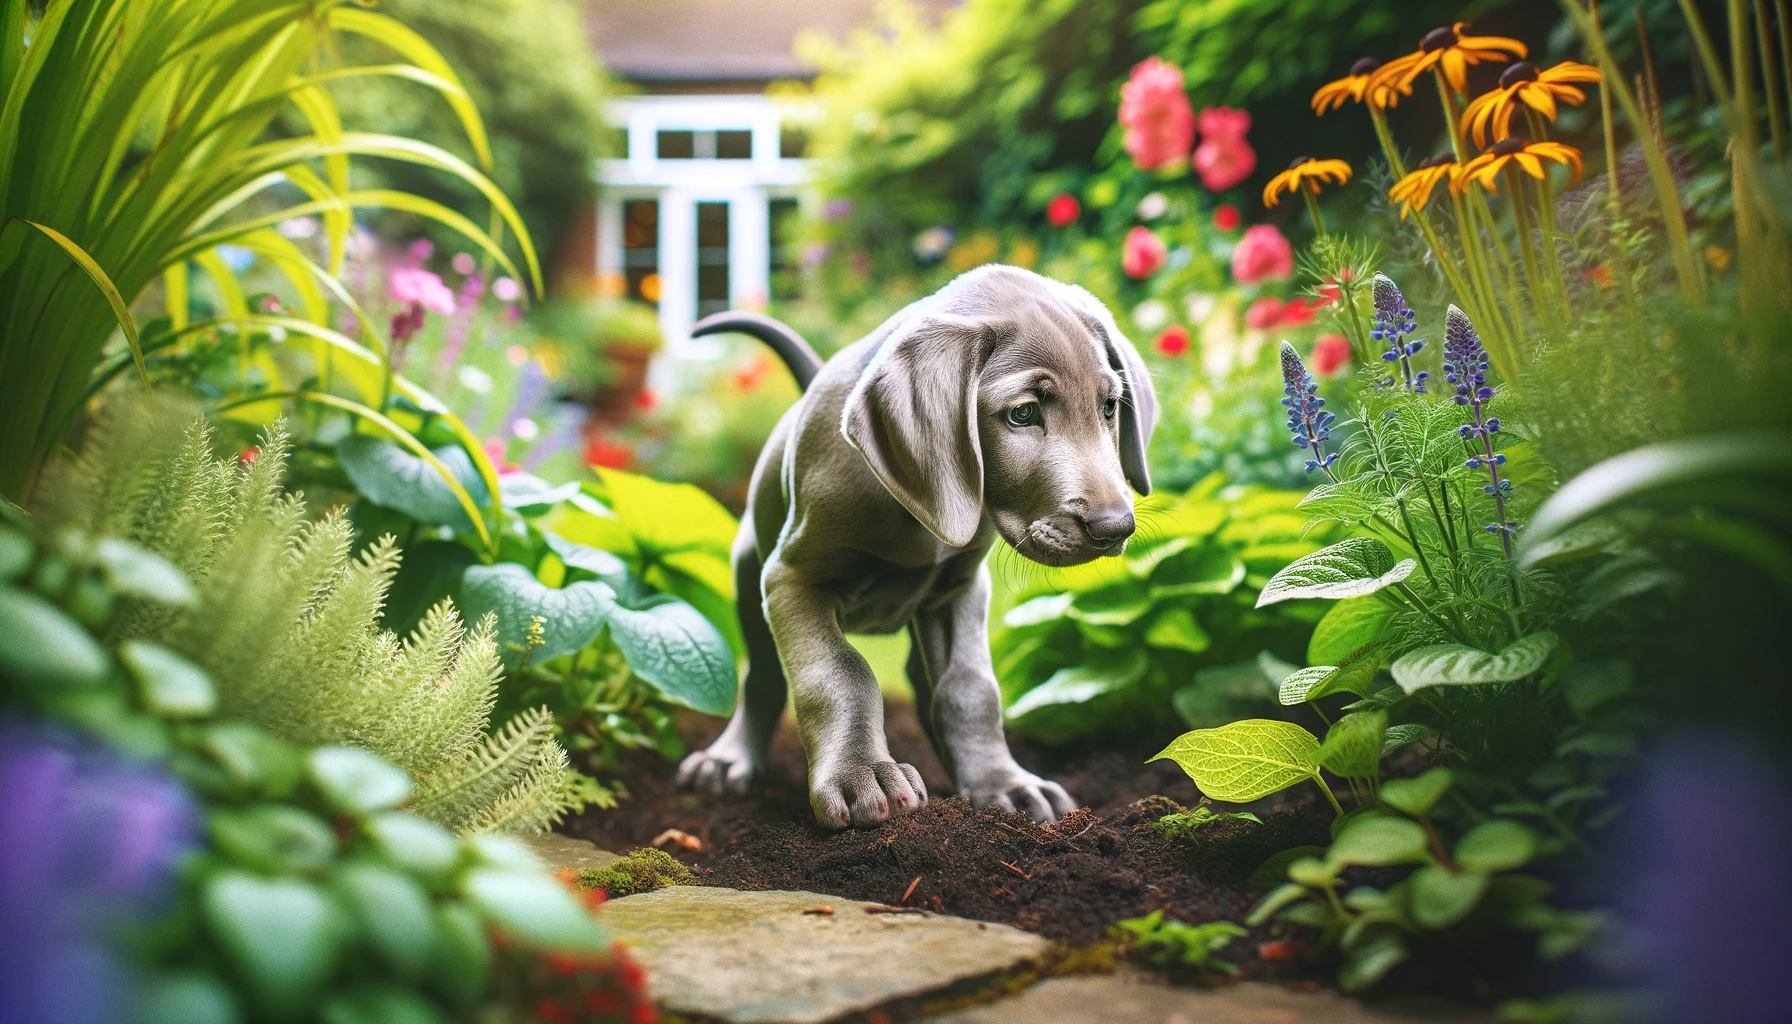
{"points": [[535, 804], [456, 793]]}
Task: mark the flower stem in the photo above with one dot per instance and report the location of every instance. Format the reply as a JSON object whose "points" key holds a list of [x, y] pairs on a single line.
{"points": [[1521, 214], [1310, 192], [1546, 203]]}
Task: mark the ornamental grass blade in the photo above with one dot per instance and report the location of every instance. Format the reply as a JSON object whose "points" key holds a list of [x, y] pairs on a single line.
{"points": [[120, 309], [1349, 568], [1460, 665], [1246, 760]]}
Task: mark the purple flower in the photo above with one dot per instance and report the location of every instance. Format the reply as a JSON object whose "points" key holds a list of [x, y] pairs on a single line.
{"points": [[90, 842], [836, 209], [1465, 365], [1307, 419], [1393, 323]]}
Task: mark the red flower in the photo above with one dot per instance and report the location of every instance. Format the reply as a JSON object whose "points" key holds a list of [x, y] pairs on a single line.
{"points": [[1275, 949], [1173, 340], [1330, 352], [1298, 313], [646, 399], [1265, 313], [1142, 254], [601, 451], [248, 455], [1224, 158], [1063, 210], [750, 376], [1160, 125], [1225, 217], [1262, 255]]}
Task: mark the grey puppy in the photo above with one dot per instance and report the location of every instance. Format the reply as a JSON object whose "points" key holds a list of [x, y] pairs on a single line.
{"points": [[1004, 404]]}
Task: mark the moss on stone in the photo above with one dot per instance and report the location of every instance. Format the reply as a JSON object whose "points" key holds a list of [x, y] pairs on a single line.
{"points": [[644, 870]]}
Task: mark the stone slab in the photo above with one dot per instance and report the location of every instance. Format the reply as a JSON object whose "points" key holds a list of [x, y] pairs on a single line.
{"points": [[560, 852], [1128, 998], [757, 958]]}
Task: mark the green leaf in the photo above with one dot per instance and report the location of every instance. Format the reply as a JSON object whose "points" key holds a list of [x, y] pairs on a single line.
{"points": [[1370, 959], [1400, 735], [1590, 685], [356, 781], [1246, 760], [462, 961], [1417, 795], [1347, 627], [253, 758], [1458, 665], [1634, 572], [1439, 899], [273, 838], [1349, 568], [572, 617], [671, 645], [430, 571], [1296, 684], [419, 846], [1176, 629], [189, 997], [16, 554], [1379, 840], [135, 572], [1118, 604], [168, 684], [531, 496], [1210, 569], [394, 915], [1080, 684], [1495, 846], [1038, 611], [380, 1004], [607, 567], [1352, 746], [534, 908], [40, 644], [282, 936], [386, 474], [1312, 871], [1274, 870]]}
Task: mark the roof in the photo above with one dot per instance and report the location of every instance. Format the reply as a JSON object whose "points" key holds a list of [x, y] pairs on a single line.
{"points": [[671, 41]]}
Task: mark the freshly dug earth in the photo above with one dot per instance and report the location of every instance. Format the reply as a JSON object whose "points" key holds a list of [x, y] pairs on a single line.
{"points": [[1069, 881]]}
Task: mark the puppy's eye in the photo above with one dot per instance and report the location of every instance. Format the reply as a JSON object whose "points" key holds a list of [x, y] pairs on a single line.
{"points": [[1027, 415], [1110, 407]]}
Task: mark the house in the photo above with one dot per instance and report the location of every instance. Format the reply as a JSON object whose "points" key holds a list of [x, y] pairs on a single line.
{"points": [[692, 217]]}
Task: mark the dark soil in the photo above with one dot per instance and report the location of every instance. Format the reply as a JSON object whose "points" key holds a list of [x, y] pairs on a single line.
{"points": [[1068, 881]]}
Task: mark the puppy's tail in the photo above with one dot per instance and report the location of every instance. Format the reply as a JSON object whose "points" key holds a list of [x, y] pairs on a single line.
{"points": [[803, 362]]}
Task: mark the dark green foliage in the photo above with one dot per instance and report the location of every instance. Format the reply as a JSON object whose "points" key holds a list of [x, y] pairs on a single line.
{"points": [[644, 870]]}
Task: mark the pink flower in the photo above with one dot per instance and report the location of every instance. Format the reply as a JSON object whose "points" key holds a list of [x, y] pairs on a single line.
{"points": [[1173, 340], [1063, 210], [1142, 254], [1224, 159], [1262, 255], [1298, 313], [414, 286], [1265, 313], [1330, 352], [505, 289], [1160, 125]]}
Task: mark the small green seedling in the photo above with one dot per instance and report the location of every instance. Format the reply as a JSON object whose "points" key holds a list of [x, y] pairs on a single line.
{"points": [[1188, 948]]}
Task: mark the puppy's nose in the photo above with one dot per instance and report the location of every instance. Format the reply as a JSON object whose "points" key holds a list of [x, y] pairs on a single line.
{"points": [[1108, 526]]}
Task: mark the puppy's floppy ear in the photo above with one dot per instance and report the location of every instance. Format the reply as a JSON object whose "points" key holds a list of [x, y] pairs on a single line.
{"points": [[1138, 409], [913, 416]]}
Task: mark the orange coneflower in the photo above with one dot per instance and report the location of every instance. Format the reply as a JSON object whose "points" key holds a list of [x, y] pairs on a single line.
{"points": [[1414, 191], [1303, 174], [1355, 86], [1522, 84], [1529, 157], [1451, 52]]}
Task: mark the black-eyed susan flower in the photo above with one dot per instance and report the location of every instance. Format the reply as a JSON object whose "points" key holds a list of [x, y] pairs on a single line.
{"points": [[1528, 156], [1451, 52], [1523, 85], [1355, 87], [1304, 174], [1414, 191]]}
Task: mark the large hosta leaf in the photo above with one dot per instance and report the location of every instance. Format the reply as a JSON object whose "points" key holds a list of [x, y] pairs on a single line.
{"points": [[1210, 569], [1459, 665], [1080, 684], [571, 617], [1117, 604], [388, 475], [1349, 568], [671, 645], [1246, 760]]}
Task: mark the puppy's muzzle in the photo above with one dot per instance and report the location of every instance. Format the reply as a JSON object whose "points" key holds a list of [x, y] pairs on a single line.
{"points": [[1108, 527]]}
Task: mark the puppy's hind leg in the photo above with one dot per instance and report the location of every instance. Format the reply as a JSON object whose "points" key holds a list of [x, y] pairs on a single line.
{"points": [[738, 755]]}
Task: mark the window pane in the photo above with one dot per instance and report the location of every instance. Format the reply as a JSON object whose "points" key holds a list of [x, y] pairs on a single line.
{"points": [[677, 145], [641, 249], [712, 258], [734, 145], [786, 273]]}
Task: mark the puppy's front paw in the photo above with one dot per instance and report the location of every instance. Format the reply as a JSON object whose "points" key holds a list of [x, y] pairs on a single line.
{"points": [[864, 794], [725, 767], [1013, 788]]}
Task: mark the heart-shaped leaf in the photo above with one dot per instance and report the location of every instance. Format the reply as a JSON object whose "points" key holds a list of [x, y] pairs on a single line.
{"points": [[1459, 665], [671, 645], [1439, 898], [1496, 845], [386, 474], [282, 935], [1378, 840], [570, 617], [1352, 746], [1296, 684], [1417, 795], [1246, 760], [1349, 568]]}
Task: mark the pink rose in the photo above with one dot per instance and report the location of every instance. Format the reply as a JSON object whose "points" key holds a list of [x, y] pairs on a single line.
{"points": [[1224, 159], [1264, 314], [1262, 255], [414, 286], [1142, 254], [1160, 125]]}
